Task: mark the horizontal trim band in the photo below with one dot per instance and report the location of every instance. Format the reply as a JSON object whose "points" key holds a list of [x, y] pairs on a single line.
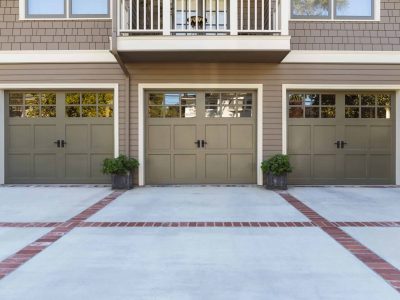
{"points": [[343, 57]]}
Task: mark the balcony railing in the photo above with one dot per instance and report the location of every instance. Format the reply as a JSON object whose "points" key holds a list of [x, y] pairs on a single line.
{"points": [[202, 17]]}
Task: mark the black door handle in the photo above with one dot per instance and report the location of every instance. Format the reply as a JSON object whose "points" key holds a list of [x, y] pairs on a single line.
{"points": [[58, 143], [203, 143], [338, 144], [63, 143], [342, 143], [197, 143]]}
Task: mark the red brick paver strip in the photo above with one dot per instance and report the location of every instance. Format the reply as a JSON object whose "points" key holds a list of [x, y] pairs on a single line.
{"points": [[376, 263], [14, 261]]}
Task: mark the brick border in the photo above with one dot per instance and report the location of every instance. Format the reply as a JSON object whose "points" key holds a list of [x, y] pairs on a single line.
{"points": [[376, 263], [17, 259]]}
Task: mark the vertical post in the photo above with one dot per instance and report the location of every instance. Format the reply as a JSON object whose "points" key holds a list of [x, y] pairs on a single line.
{"points": [[137, 15], [284, 10], [397, 130], [233, 17], [151, 13], [166, 17], [130, 14], [123, 15], [2, 137]]}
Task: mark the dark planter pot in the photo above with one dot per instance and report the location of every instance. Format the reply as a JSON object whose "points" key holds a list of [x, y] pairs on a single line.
{"points": [[122, 182], [276, 182]]}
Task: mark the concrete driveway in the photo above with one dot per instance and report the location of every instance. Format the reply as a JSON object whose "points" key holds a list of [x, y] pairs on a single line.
{"points": [[199, 243]]}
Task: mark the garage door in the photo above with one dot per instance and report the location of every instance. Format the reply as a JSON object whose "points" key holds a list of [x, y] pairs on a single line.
{"points": [[58, 137], [200, 137], [341, 138]]}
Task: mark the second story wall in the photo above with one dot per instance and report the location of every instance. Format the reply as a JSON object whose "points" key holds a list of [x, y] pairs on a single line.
{"points": [[18, 34], [350, 35]]}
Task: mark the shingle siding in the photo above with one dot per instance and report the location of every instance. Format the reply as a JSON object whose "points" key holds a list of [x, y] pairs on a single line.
{"points": [[355, 36], [50, 34]]}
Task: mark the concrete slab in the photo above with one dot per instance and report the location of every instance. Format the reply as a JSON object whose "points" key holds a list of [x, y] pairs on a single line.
{"points": [[352, 203], [195, 263], [14, 239], [383, 241], [180, 204], [46, 204]]}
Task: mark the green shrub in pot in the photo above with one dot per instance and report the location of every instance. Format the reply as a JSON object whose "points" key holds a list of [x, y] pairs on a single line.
{"points": [[276, 169], [121, 170]]}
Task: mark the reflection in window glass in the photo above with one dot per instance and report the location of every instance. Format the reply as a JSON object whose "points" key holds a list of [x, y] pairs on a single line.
{"points": [[31, 111], [352, 112], [46, 7], [296, 99], [172, 111], [312, 99], [368, 100], [32, 105], [354, 8], [89, 7], [383, 112], [352, 100], [73, 111], [172, 105], [74, 98], [89, 111], [172, 99], [48, 112], [16, 111], [89, 105], [312, 112], [327, 99], [328, 112], [312, 105], [229, 105], [296, 112], [310, 8], [368, 112]]}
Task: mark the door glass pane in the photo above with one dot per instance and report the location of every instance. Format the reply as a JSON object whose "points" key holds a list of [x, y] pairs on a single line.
{"points": [[105, 111], [46, 7], [16, 99], [48, 99], [156, 112], [172, 99], [352, 100], [352, 112], [156, 99], [310, 8], [89, 98], [188, 111], [212, 111], [31, 111], [368, 112], [311, 99], [368, 100], [296, 99], [353, 8], [296, 112], [72, 98], [106, 98], [72, 111], [328, 99], [89, 7], [16, 111], [172, 111], [328, 112], [32, 99], [312, 112], [212, 99], [48, 112], [384, 100], [383, 112], [89, 111]]}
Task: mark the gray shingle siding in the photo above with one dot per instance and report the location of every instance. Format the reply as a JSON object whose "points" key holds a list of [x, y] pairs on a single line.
{"points": [[355, 36], [50, 34]]}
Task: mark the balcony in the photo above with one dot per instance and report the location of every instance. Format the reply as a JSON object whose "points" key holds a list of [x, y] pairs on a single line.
{"points": [[203, 30]]}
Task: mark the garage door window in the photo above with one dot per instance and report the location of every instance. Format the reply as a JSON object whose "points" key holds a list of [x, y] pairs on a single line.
{"points": [[229, 105], [367, 106], [172, 105], [32, 105], [312, 105], [89, 105]]}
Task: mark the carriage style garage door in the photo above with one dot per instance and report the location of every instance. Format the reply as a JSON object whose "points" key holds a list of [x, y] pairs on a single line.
{"points": [[200, 137], [58, 137], [341, 138]]}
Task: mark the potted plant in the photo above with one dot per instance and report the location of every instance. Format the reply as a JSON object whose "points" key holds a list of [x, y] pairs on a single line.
{"points": [[276, 168], [121, 170]]}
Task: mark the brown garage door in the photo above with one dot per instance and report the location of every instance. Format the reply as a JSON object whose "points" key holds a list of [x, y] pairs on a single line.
{"points": [[200, 137], [341, 138], [58, 137]]}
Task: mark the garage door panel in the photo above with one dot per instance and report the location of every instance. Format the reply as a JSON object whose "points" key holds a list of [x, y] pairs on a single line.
{"points": [[381, 138], [159, 166], [20, 138], [77, 138], [356, 137], [159, 137], [185, 166], [301, 166], [44, 137], [380, 166], [242, 137], [185, 136], [324, 166], [19, 166], [324, 137], [241, 165], [216, 136], [217, 166], [355, 166], [77, 166], [45, 166], [96, 161], [299, 139], [100, 137]]}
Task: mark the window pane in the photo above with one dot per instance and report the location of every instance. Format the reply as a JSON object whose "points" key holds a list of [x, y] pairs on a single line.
{"points": [[312, 112], [155, 111], [296, 99], [172, 99], [172, 111], [188, 111], [89, 7], [105, 111], [72, 111], [352, 112], [212, 99], [353, 8], [48, 99], [106, 98], [352, 100], [15, 111], [384, 100], [46, 7], [295, 112], [312, 99], [16, 99], [89, 98], [328, 112], [48, 112], [156, 99], [212, 111], [328, 99], [368, 112], [32, 111], [89, 111], [310, 8], [368, 100], [32, 99], [384, 112], [72, 98]]}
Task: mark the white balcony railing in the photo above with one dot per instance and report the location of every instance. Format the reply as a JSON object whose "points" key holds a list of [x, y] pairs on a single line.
{"points": [[202, 17]]}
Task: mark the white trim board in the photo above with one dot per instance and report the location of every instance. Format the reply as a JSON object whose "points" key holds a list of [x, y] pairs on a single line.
{"points": [[57, 56], [142, 87], [55, 86], [342, 57], [341, 87]]}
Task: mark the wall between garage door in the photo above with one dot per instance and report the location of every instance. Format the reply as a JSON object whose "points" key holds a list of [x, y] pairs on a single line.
{"points": [[68, 74]]}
